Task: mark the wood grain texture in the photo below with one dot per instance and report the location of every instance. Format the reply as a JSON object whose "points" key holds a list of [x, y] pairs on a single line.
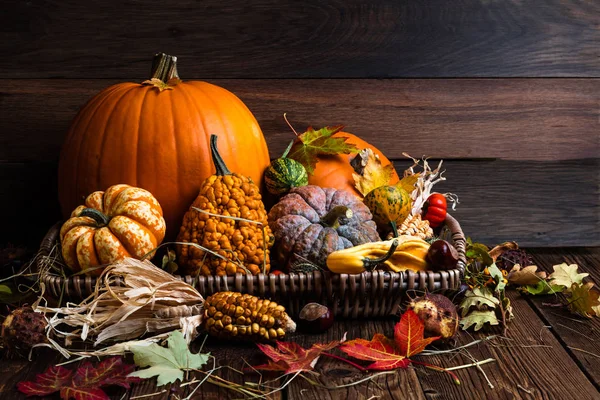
{"points": [[234, 359], [581, 337], [538, 360], [533, 203], [530, 357], [308, 38], [399, 384], [509, 119], [521, 154]]}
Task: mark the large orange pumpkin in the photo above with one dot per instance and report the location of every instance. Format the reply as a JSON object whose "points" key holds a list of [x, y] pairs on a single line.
{"points": [[158, 140], [336, 171]]}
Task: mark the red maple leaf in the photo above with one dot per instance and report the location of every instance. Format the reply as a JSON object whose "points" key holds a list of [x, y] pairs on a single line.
{"points": [[291, 358], [388, 354], [84, 384], [52, 380]]}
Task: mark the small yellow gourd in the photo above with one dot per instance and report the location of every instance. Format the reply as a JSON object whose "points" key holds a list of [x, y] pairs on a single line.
{"points": [[399, 254]]}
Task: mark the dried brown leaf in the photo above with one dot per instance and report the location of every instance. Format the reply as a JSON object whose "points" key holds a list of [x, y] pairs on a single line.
{"points": [[525, 276], [501, 248]]}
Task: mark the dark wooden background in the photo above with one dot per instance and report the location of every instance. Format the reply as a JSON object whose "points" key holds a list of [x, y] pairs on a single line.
{"points": [[506, 91]]}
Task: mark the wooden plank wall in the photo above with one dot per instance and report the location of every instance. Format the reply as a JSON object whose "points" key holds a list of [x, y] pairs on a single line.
{"points": [[519, 130]]}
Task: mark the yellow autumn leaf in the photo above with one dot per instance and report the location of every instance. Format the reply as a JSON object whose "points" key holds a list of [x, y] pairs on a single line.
{"points": [[374, 174], [408, 182], [584, 300]]}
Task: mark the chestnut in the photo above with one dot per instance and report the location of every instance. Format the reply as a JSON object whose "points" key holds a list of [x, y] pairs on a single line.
{"points": [[438, 315], [442, 256], [315, 318]]}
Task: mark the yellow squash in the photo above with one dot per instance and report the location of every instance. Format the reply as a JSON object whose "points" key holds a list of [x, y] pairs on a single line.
{"points": [[399, 254]]}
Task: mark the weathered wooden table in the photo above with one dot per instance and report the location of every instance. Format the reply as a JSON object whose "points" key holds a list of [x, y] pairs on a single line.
{"points": [[519, 136], [548, 354]]}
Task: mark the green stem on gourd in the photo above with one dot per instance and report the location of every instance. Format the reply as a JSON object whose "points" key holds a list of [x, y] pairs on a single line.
{"points": [[164, 67], [394, 228], [98, 216], [371, 263], [217, 159], [332, 218], [285, 153]]}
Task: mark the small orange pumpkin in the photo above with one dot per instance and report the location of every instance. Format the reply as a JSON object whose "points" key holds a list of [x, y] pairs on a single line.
{"points": [[124, 221], [335, 170], [156, 135]]}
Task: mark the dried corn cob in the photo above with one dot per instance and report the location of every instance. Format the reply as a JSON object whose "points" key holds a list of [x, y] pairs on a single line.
{"points": [[236, 315]]}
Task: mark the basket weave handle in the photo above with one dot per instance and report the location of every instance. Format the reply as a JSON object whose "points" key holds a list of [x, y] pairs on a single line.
{"points": [[48, 242], [460, 243]]}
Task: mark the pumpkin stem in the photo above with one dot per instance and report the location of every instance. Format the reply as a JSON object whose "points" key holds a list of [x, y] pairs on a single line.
{"points": [[164, 67], [332, 218], [371, 263], [285, 153], [217, 159], [394, 228], [98, 216]]}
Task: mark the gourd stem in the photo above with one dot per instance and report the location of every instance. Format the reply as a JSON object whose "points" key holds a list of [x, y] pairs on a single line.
{"points": [[217, 159], [332, 218], [164, 67], [98, 216], [285, 153], [371, 263], [394, 228]]}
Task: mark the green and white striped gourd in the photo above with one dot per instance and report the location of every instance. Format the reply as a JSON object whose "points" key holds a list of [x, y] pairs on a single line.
{"points": [[284, 174]]}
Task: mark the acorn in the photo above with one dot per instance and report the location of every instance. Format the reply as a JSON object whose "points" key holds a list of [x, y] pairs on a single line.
{"points": [[315, 318], [438, 314]]}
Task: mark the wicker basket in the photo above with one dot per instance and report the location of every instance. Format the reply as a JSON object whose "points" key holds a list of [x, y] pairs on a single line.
{"points": [[370, 294]]}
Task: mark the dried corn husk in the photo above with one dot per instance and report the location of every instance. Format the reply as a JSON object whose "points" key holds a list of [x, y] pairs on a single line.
{"points": [[425, 181], [130, 299]]}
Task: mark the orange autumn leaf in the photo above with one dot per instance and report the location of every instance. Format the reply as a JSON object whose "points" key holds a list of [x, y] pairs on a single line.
{"points": [[409, 334], [381, 350], [388, 354], [374, 174]]}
